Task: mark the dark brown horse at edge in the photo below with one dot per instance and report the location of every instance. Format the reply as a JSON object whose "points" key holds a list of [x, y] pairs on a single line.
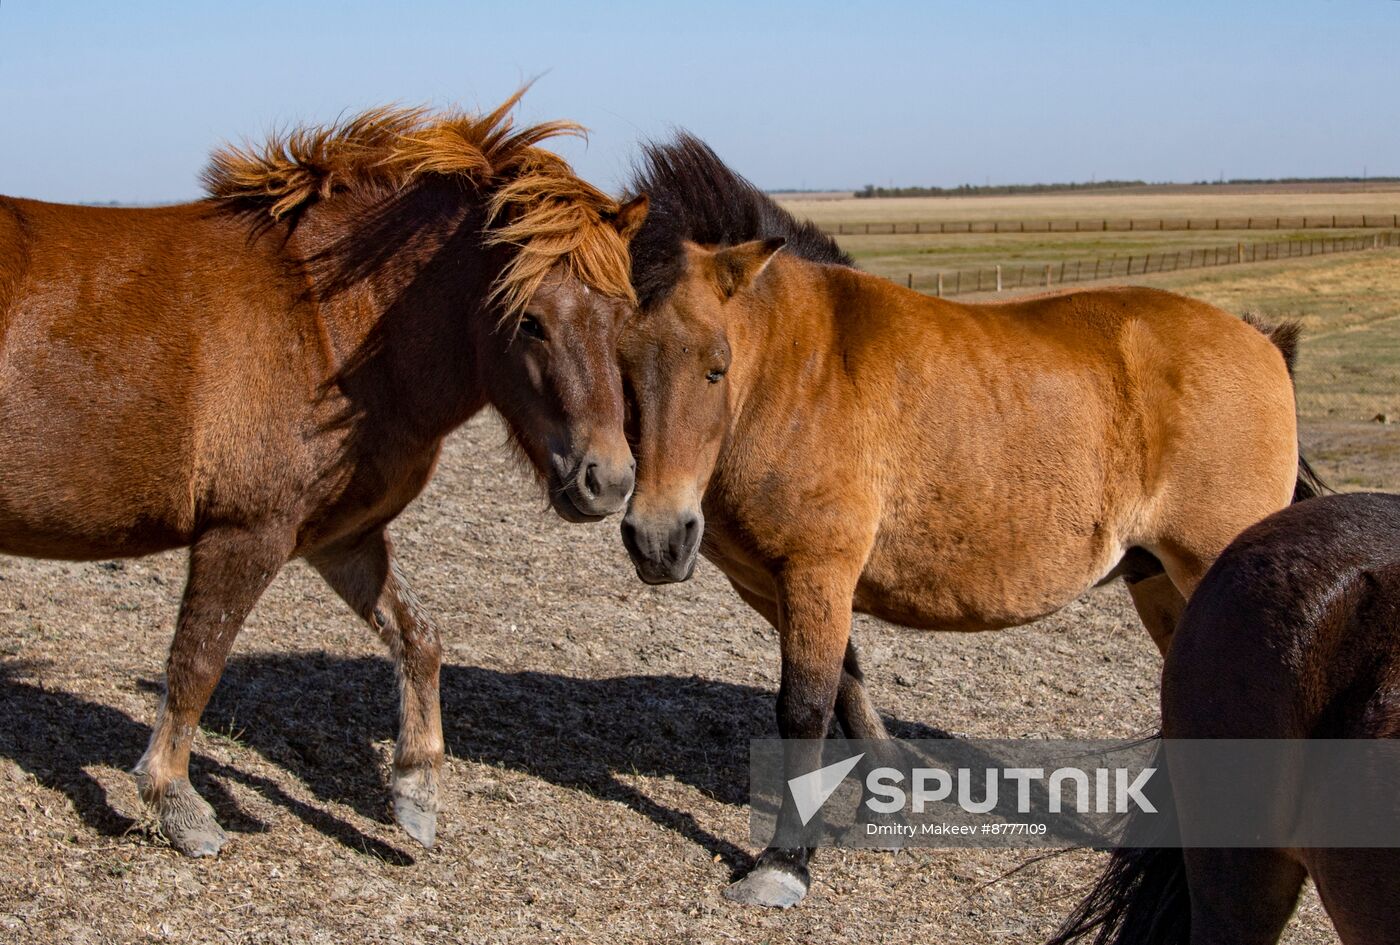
{"points": [[270, 373], [842, 443], [1294, 633]]}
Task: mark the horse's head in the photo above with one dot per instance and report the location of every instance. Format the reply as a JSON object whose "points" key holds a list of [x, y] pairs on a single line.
{"points": [[683, 386], [556, 383]]}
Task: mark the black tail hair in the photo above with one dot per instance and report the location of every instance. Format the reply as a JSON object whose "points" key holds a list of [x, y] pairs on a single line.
{"points": [[1142, 897], [1285, 336]]}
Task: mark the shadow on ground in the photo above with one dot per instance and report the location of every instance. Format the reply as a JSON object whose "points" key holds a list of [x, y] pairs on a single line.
{"points": [[319, 717]]}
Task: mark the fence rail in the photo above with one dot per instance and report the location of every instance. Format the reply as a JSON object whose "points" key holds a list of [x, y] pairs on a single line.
{"points": [[1046, 275], [1108, 225]]}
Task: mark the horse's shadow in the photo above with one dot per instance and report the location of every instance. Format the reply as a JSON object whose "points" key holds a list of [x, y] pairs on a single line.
{"points": [[322, 718]]}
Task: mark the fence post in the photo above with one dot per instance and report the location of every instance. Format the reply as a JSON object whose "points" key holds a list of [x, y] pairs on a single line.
{"points": [[998, 277], [910, 281], [1047, 275], [1239, 252], [867, 229], [916, 228], [940, 285]]}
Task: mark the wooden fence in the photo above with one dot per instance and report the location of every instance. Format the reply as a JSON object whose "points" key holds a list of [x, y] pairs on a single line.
{"points": [[1045, 275], [1103, 225]]}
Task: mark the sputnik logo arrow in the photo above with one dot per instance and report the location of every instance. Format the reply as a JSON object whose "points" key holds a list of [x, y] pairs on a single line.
{"points": [[810, 791]]}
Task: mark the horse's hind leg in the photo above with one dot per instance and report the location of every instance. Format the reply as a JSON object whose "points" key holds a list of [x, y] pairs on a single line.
{"points": [[368, 579], [1160, 605], [1241, 897], [1360, 889], [229, 569]]}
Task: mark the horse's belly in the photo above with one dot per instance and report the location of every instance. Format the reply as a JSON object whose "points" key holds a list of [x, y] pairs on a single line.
{"points": [[972, 587], [68, 514]]}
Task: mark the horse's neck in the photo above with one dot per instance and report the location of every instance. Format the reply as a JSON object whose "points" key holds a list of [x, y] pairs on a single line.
{"points": [[790, 336], [789, 348], [402, 288]]}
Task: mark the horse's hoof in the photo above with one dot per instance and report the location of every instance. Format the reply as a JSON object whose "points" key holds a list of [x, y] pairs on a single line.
{"points": [[415, 804], [188, 822], [769, 886]]}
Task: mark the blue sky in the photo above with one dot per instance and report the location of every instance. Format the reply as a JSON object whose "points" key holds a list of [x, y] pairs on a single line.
{"points": [[123, 101]]}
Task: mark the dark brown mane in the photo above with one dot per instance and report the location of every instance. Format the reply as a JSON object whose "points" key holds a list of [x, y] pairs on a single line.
{"points": [[534, 201], [695, 196]]}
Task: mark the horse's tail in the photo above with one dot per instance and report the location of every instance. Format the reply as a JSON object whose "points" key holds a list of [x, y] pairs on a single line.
{"points": [[1142, 897], [1285, 336]]}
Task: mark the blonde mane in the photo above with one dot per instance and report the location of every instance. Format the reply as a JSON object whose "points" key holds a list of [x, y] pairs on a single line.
{"points": [[535, 203]]}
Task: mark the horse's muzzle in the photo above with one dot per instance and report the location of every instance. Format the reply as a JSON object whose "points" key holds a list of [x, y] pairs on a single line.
{"points": [[664, 552], [592, 490]]}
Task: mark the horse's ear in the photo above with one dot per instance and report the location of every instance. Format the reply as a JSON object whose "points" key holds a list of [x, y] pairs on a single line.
{"points": [[630, 216], [738, 266]]}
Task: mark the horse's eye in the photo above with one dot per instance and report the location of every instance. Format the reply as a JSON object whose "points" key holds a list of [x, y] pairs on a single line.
{"points": [[714, 376], [530, 327]]}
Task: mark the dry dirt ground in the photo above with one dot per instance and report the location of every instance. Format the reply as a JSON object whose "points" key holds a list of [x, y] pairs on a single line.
{"points": [[597, 732]]}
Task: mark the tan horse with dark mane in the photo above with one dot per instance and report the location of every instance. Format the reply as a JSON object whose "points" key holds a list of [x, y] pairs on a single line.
{"points": [[845, 444], [270, 373]]}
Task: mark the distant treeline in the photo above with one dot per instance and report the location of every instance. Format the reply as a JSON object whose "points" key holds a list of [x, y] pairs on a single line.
{"points": [[990, 190], [998, 190], [1305, 180]]}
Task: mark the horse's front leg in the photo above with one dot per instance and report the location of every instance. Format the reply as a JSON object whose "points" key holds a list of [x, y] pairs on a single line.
{"points": [[228, 571], [814, 625], [365, 574]]}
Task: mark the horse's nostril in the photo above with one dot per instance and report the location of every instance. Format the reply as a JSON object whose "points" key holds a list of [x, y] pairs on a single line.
{"points": [[590, 480], [692, 529]]}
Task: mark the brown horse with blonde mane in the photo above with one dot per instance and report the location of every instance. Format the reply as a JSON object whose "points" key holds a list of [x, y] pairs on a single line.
{"points": [[842, 443], [270, 373]]}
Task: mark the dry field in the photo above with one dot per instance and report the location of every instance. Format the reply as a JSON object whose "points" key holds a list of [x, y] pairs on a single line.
{"points": [[1148, 203], [923, 256], [597, 729]]}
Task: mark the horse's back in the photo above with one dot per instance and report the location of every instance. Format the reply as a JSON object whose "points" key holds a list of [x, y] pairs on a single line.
{"points": [[1295, 630], [131, 346]]}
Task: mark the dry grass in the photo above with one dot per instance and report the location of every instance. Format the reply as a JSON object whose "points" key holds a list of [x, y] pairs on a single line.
{"points": [[597, 731], [1197, 204]]}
